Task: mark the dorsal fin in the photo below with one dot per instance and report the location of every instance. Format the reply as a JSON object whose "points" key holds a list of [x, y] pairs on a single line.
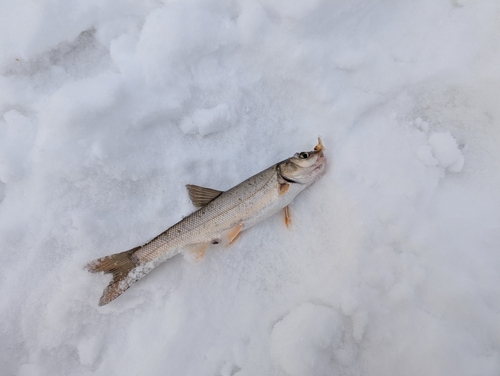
{"points": [[201, 196]]}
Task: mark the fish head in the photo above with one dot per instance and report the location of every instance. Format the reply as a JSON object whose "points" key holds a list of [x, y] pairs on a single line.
{"points": [[304, 167]]}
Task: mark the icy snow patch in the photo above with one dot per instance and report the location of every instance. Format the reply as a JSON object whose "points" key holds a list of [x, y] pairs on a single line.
{"points": [[446, 151], [209, 120], [442, 150], [16, 139], [424, 153], [306, 340]]}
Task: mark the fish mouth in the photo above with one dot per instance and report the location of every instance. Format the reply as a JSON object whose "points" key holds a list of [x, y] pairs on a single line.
{"points": [[321, 161], [320, 165]]}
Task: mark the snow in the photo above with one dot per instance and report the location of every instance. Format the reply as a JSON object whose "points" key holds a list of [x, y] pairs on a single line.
{"points": [[307, 341], [446, 152], [392, 264]]}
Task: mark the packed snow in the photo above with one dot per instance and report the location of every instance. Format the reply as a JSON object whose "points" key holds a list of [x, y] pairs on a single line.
{"points": [[392, 264]]}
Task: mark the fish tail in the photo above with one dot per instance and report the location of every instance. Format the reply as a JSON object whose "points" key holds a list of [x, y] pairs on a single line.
{"points": [[125, 272]]}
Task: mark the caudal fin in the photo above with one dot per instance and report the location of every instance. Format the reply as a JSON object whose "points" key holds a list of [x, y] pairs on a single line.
{"points": [[124, 270]]}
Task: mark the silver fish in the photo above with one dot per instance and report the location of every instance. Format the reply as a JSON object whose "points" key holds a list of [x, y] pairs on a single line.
{"points": [[220, 220]]}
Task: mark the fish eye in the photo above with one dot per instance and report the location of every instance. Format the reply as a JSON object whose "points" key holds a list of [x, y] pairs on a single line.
{"points": [[304, 155]]}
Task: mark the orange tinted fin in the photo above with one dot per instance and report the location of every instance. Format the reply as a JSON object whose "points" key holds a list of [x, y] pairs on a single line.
{"points": [[284, 188], [235, 238], [229, 236], [288, 219], [199, 251]]}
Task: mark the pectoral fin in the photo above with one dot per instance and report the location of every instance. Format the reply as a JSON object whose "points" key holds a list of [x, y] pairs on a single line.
{"points": [[283, 188], [201, 196], [230, 236], [288, 218]]}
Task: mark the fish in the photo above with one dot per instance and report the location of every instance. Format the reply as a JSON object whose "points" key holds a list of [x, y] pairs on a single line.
{"points": [[220, 219]]}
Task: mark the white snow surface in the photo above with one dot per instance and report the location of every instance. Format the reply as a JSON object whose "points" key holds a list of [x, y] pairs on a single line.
{"points": [[392, 265]]}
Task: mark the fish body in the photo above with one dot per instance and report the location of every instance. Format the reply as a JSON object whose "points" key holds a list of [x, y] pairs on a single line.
{"points": [[248, 203], [221, 218]]}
